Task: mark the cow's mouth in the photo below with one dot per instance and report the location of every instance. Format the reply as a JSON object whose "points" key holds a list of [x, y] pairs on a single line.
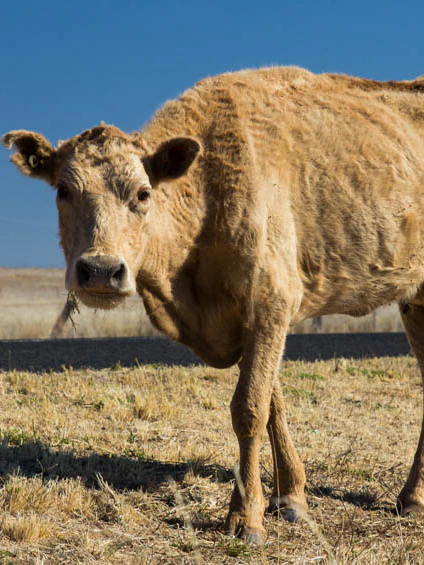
{"points": [[101, 300]]}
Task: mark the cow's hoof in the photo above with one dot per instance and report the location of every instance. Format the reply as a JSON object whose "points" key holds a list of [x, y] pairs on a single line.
{"points": [[289, 508], [254, 536], [411, 509], [234, 527], [408, 507]]}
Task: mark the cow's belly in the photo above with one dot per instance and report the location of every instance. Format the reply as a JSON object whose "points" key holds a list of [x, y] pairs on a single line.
{"points": [[359, 293], [370, 257]]}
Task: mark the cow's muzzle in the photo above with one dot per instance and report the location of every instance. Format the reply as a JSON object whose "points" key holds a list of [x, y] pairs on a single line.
{"points": [[102, 277]]}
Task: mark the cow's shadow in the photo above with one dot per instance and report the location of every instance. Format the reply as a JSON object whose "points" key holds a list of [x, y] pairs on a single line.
{"points": [[369, 501], [33, 458], [123, 473]]}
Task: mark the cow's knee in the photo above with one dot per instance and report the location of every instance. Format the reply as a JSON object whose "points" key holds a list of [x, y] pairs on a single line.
{"points": [[248, 419]]}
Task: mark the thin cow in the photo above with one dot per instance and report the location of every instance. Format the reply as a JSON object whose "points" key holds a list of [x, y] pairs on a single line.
{"points": [[256, 200]]}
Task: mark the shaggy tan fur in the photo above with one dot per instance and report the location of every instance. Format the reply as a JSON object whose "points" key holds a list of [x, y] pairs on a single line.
{"points": [[276, 195]]}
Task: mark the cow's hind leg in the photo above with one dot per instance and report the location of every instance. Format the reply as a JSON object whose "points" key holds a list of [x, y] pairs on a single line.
{"points": [[411, 498], [288, 495]]}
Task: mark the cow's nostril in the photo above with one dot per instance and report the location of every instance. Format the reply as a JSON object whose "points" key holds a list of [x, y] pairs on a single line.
{"points": [[119, 273], [83, 271], [101, 273]]}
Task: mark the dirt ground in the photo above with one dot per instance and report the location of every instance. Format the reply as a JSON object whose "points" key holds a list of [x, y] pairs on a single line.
{"points": [[135, 466]]}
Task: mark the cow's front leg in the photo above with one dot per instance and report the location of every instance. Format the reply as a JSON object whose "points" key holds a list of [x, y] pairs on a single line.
{"points": [[250, 410], [411, 498], [288, 495]]}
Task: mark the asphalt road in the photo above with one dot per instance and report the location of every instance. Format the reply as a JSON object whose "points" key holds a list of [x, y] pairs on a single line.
{"points": [[44, 355]]}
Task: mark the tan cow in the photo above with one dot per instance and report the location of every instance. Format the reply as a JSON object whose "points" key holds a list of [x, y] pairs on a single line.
{"points": [[255, 200]]}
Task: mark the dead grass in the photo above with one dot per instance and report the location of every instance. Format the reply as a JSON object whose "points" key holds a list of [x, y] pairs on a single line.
{"points": [[31, 301], [135, 466], [385, 319]]}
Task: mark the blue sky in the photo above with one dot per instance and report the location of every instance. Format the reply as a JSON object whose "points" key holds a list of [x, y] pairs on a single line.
{"points": [[65, 66]]}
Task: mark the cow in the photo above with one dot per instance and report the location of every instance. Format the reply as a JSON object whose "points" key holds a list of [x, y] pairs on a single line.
{"points": [[253, 201]]}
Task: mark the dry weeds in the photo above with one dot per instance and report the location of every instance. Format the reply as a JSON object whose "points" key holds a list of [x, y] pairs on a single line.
{"points": [[135, 466], [31, 301]]}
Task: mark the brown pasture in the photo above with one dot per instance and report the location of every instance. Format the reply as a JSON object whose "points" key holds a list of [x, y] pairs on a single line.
{"points": [[117, 466]]}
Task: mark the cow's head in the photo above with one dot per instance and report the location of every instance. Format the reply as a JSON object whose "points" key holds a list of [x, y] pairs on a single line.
{"points": [[104, 181]]}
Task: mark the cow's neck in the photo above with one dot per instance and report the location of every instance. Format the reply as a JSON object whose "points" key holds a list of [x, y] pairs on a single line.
{"points": [[169, 284], [169, 249]]}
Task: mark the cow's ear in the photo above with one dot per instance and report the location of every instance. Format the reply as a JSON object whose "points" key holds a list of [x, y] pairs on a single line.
{"points": [[34, 155], [172, 159]]}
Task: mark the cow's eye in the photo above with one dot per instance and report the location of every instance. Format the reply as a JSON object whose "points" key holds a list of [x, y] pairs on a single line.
{"points": [[62, 192], [143, 195], [141, 201]]}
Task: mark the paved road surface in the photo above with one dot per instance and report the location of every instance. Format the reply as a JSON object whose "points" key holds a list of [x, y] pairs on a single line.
{"points": [[44, 355]]}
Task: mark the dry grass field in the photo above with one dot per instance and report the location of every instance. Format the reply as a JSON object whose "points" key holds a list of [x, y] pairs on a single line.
{"points": [[31, 301], [134, 466]]}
